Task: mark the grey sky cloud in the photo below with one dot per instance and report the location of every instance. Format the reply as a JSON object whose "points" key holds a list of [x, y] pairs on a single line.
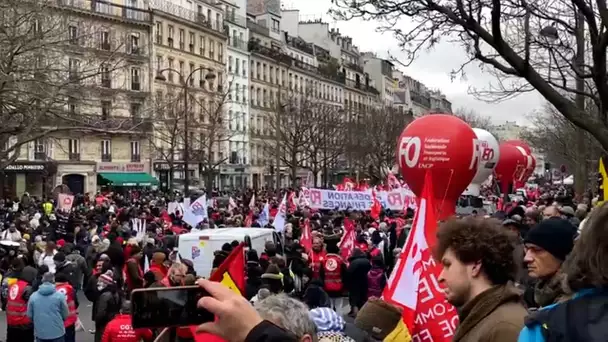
{"points": [[433, 67]]}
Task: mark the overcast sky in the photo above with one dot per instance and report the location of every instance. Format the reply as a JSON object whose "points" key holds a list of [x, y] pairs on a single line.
{"points": [[432, 68]]}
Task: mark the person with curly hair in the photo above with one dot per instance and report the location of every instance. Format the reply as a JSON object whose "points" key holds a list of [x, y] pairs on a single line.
{"points": [[478, 271]]}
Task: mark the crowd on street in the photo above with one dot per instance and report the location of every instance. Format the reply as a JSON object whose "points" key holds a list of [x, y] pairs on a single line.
{"points": [[533, 272]]}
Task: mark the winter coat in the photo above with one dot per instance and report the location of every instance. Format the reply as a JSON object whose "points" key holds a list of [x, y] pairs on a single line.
{"points": [[48, 309]]}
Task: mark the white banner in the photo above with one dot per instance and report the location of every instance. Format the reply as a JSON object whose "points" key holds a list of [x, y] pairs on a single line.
{"points": [[397, 199]]}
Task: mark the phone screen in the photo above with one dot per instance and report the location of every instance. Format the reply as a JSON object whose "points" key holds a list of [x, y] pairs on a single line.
{"points": [[168, 307]]}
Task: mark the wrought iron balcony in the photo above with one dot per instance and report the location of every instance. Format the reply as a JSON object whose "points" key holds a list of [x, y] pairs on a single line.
{"points": [[197, 18], [74, 156], [108, 8]]}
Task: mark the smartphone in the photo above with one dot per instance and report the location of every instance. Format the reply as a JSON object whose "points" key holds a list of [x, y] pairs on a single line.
{"points": [[168, 307]]}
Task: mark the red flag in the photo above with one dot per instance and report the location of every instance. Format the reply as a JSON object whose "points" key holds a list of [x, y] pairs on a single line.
{"points": [[347, 244], [231, 273], [413, 284], [376, 207], [306, 238]]}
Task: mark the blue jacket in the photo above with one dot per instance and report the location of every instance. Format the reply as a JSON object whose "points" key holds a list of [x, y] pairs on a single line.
{"points": [[48, 309], [534, 333]]}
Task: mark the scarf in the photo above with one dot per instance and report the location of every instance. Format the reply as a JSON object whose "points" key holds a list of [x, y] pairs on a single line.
{"points": [[547, 292], [481, 306]]}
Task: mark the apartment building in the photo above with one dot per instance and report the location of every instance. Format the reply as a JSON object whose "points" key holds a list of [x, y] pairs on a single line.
{"points": [[189, 58], [381, 71], [439, 102], [105, 56], [237, 172]]}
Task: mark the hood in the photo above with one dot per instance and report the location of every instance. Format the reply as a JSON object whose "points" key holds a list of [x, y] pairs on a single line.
{"points": [[47, 289], [28, 274]]}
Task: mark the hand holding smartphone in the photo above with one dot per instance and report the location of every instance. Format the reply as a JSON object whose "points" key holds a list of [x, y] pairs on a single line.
{"points": [[168, 307]]}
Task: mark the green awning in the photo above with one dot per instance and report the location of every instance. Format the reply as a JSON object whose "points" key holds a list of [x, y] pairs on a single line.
{"points": [[129, 179]]}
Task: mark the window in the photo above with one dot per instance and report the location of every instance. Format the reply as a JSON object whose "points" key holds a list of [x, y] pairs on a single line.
{"points": [[181, 39], [201, 76], [106, 74], [135, 110], [170, 74], [191, 81], [211, 49], [72, 106], [135, 156], [135, 79], [74, 68], [104, 40], [218, 20], [106, 150], [191, 40], [181, 67], [106, 108], [220, 81], [237, 91], [220, 52], [159, 32], [159, 64], [276, 25], [134, 44], [245, 68], [74, 149], [230, 63], [40, 149], [73, 34], [202, 46], [237, 65], [170, 36]]}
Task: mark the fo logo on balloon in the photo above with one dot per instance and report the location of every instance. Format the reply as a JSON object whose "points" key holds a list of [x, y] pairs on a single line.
{"points": [[410, 149]]}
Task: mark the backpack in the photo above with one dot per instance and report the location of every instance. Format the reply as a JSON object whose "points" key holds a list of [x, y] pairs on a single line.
{"points": [[374, 282]]}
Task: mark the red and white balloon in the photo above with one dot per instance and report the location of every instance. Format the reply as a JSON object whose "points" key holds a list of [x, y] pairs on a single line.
{"points": [[489, 153], [448, 147]]}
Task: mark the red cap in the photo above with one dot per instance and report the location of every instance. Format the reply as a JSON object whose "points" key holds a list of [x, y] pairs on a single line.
{"points": [[60, 243]]}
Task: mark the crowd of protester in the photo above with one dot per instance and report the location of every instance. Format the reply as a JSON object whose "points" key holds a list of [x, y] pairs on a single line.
{"points": [[534, 272]]}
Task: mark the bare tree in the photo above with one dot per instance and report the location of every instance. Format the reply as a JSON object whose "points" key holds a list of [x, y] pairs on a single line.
{"points": [[557, 48], [474, 119], [555, 137], [376, 135], [167, 141], [327, 137], [213, 130], [290, 124], [41, 85], [209, 128]]}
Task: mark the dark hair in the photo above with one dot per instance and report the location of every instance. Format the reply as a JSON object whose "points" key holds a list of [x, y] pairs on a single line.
{"points": [[479, 240], [587, 264]]}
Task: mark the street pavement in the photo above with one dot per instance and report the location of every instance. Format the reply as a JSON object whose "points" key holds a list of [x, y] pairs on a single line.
{"points": [[84, 312]]}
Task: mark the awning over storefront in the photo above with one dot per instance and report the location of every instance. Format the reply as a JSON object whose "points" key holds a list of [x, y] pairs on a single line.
{"points": [[128, 179]]}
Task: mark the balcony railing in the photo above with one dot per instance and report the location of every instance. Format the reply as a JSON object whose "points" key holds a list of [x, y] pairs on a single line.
{"points": [[135, 158], [237, 43], [236, 19], [106, 7], [355, 67], [184, 13], [258, 28], [74, 156], [106, 83], [106, 157], [300, 45]]}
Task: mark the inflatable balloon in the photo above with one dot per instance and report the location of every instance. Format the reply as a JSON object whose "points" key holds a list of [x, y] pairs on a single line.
{"points": [[511, 165], [488, 158], [531, 162], [445, 145]]}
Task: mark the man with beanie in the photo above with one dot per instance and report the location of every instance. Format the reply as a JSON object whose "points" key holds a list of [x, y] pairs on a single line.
{"points": [[546, 246]]}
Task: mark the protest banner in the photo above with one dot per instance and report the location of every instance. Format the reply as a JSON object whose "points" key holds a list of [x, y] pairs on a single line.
{"points": [[397, 199]]}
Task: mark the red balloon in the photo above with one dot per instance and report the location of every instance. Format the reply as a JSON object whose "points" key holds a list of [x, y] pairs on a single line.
{"points": [[448, 147], [511, 167], [531, 163]]}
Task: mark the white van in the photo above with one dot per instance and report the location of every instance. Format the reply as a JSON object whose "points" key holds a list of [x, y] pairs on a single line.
{"points": [[199, 246]]}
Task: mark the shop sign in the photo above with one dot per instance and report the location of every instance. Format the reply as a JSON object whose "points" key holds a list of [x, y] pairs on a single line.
{"points": [[121, 167], [25, 167], [176, 166]]}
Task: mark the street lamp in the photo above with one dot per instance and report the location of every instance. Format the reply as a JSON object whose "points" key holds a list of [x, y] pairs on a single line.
{"points": [[185, 81]]}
